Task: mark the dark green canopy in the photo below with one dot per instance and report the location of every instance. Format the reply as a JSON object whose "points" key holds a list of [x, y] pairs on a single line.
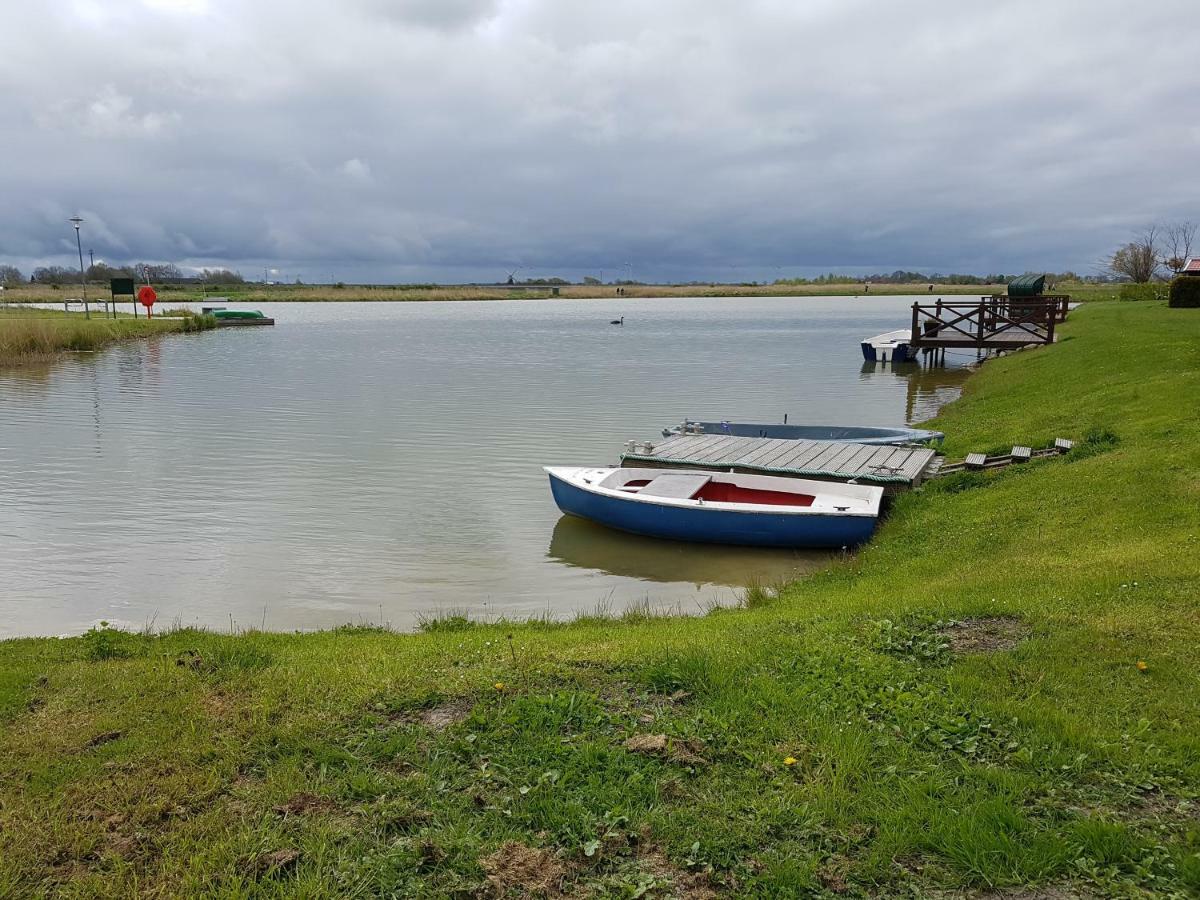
{"points": [[1027, 286]]}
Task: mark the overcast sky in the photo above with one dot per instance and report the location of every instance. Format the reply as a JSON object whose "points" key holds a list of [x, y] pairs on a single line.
{"points": [[414, 140]]}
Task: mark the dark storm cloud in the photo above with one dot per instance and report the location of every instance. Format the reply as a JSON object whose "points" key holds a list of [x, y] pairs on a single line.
{"points": [[457, 138]]}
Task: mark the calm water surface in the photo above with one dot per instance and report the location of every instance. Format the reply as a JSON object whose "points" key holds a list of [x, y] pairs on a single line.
{"points": [[368, 462]]}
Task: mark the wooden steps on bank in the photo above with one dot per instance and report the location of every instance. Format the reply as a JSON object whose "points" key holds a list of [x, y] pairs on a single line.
{"points": [[978, 462]]}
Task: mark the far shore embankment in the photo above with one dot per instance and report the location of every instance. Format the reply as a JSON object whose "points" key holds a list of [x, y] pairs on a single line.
{"points": [[327, 293]]}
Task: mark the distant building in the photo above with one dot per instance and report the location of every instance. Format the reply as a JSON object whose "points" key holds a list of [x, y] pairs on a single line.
{"points": [[1192, 267]]}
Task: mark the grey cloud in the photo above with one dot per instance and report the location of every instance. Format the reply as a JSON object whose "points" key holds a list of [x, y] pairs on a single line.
{"points": [[429, 139], [437, 14]]}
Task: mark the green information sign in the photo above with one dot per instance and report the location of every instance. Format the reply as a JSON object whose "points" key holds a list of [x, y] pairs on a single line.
{"points": [[121, 287]]}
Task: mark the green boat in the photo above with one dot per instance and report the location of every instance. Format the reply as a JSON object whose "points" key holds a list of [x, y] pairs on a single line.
{"points": [[240, 317], [238, 314]]}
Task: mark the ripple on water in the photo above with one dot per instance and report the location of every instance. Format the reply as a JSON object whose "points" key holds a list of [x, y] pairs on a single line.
{"points": [[377, 461]]}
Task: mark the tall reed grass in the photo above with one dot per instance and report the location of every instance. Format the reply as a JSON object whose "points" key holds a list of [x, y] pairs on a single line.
{"points": [[32, 336]]}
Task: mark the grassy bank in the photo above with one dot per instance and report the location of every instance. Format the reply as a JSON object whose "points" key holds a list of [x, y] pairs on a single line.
{"points": [[28, 336], [958, 708], [259, 293]]}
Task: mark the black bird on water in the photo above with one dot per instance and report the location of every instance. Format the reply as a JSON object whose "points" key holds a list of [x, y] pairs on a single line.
{"points": [[620, 321]]}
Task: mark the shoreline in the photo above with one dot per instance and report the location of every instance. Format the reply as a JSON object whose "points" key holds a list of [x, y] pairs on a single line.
{"points": [[959, 706], [254, 293]]}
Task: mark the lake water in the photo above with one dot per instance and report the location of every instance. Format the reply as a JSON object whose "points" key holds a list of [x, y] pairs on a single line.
{"points": [[377, 462]]}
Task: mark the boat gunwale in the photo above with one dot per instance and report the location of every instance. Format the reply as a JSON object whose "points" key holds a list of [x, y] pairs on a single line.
{"points": [[887, 337], [874, 502]]}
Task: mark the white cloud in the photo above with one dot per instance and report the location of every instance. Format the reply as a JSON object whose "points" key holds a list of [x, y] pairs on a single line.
{"points": [[112, 114], [188, 7], [356, 170]]}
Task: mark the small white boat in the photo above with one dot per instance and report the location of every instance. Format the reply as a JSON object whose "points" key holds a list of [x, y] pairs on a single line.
{"points": [[890, 346], [719, 507]]}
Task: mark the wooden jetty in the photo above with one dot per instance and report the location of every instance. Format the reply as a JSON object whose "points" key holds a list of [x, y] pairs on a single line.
{"points": [[893, 468], [992, 323]]}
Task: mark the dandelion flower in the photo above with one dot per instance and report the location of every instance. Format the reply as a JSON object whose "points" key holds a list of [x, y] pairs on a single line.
{"points": [[1141, 664], [499, 685], [790, 761]]}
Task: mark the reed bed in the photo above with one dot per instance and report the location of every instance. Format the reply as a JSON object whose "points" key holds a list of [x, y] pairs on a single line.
{"points": [[29, 336]]}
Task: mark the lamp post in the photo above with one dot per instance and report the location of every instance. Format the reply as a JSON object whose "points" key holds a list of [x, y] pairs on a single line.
{"points": [[76, 221]]}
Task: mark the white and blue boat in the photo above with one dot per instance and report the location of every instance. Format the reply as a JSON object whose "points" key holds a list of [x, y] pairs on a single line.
{"points": [[891, 346], [719, 507], [854, 434]]}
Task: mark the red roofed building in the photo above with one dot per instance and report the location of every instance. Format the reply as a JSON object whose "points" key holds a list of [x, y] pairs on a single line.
{"points": [[1192, 267]]}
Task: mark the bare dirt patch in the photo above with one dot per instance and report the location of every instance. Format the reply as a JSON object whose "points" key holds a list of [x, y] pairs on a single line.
{"points": [[528, 870], [438, 718], [685, 752], [1046, 892], [647, 743], [1042, 892], [1162, 808], [303, 804], [833, 873], [103, 738], [435, 718], [684, 885], [125, 846], [217, 705], [986, 634], [275, 862]]}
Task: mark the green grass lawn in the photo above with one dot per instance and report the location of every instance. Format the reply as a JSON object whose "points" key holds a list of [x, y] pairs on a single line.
{"points": [[958, 708]]}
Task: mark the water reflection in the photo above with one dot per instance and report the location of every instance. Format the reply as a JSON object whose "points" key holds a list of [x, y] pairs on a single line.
{"points": [[927, 388], [586, 545]]}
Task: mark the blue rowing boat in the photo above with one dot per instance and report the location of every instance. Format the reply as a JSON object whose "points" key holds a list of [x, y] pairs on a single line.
{"points": [[854, 434], [719, 507]]}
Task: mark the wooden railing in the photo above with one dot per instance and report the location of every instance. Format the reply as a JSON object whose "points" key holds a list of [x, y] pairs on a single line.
{"points": [[1061, 302], [997, 321]]}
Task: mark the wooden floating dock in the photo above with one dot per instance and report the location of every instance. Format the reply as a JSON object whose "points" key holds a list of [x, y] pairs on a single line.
{"points": [[893, 468]]}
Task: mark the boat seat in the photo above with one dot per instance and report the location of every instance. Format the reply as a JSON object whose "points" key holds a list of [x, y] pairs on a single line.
{"points": [[676, 485]]}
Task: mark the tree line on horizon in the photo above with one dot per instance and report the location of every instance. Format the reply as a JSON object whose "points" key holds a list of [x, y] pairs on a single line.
{"points": [[161, 273], [1154, 252], [904, 277]]}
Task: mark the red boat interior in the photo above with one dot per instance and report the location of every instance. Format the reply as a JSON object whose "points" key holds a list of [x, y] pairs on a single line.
{"points": [[721, 492], [725, 492]]}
